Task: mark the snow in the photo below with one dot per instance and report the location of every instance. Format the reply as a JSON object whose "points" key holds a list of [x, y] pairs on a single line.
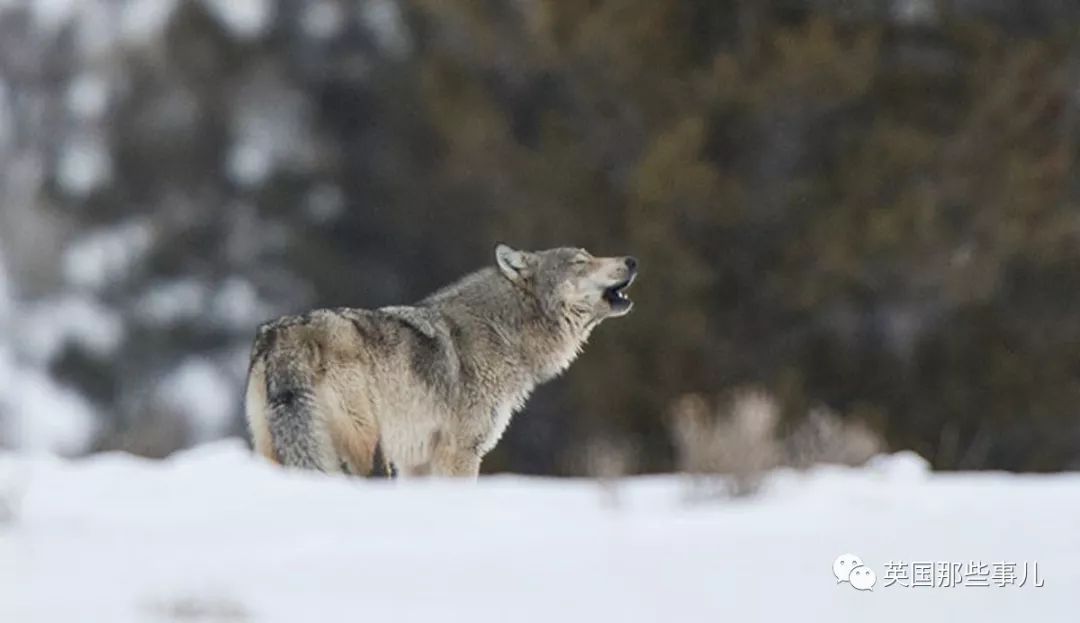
{"points": [[84, 165], [40, 415], [173, 301], [88, 96], [106, 255], [323, 18], [5, 295], [51, 15], [236, 305], [249, 164], [245, 18], [47, 326], [324, 203], [914, 12], [98, 24], [270, 128], [203, 394], [384, 21], [93, 22], [141, 21], [215, 535], [36, 413], [6, 116]]}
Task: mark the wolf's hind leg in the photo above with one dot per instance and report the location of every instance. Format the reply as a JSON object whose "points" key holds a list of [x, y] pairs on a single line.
{"points": [[355, 437], [256, 410], [299, 435]]}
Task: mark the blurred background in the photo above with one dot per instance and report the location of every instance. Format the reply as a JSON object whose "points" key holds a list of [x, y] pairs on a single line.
{"points": [[858, 221]]}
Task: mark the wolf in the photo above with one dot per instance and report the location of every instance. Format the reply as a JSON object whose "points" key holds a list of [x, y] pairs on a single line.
{"points": [[432, 385]]}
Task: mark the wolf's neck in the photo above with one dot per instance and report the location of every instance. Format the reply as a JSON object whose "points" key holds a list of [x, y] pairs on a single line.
{"points": [[521, 330]]}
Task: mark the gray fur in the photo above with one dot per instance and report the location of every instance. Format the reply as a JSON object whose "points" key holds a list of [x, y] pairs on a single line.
{"points": [[433, 384]]}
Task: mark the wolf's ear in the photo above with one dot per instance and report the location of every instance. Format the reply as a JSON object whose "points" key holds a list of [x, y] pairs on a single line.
{"points": [[511, 262]]}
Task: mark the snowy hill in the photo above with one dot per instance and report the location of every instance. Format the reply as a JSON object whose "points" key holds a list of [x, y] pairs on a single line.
{"points": [[214, 535]]}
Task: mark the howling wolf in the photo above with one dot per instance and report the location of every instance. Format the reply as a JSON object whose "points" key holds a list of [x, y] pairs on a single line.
{"points": [[433, 384]]}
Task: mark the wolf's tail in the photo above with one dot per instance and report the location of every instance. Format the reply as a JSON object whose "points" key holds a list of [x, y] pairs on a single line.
{"points": [[297, 432]]}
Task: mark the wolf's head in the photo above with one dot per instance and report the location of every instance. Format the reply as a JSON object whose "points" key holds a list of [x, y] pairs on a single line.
{"points": [[570, 282]]}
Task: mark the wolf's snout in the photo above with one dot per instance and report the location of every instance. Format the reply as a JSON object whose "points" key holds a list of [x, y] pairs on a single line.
{"points": [[615, 294]]}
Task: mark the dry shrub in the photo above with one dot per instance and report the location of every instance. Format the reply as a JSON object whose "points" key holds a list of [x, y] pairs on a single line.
{"points": [[824, 437], [606, 459], [737, 440], [199, 609], [156, 433]]}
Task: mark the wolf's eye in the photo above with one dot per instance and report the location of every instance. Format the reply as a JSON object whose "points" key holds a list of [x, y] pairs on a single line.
{"points": [[580, 259]]}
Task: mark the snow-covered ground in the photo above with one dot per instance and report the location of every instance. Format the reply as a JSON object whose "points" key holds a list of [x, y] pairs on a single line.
{"points": [[214, 535]]}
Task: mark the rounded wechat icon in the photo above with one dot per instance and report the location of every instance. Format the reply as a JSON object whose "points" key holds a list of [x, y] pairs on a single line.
{"points": [[863, 578], [850, 568]]}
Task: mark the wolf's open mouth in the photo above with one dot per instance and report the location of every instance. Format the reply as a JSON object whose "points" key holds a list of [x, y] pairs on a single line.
{"points": [[615, 295]]}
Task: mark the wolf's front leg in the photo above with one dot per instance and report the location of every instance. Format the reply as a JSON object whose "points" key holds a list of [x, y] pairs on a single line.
{"points": [[449, 459]]}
